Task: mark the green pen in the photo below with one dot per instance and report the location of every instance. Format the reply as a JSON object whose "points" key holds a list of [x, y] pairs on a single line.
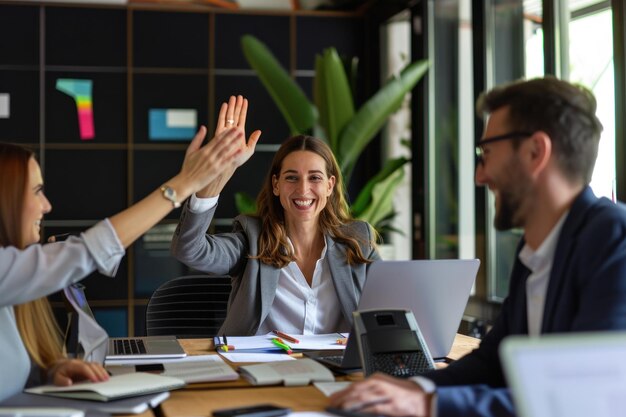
{"points": [[282, 346]]}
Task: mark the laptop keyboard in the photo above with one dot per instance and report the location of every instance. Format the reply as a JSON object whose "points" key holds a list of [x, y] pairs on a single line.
{"points": [[129, 347], [335, 359]]}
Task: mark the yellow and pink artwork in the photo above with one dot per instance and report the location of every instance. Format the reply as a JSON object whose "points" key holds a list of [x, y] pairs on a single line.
{"points": [[80, 91]]}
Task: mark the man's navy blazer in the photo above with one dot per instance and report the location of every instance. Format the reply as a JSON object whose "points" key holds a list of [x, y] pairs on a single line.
{"points": [[586, 292]]}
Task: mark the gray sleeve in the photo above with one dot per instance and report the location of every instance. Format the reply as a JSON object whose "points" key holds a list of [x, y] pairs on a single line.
{"points": [[221, 254], [40, 270]]}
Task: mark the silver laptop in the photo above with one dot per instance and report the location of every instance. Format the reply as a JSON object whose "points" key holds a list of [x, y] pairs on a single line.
{"points": [[436, 291], [573, 375], [150, 347]]}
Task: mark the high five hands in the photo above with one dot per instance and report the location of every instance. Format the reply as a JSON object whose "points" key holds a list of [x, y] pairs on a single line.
{"points": [[233, 116], [231, 121]]}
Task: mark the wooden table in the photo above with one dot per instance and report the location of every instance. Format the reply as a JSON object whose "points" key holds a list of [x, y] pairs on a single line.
{"points": [[201, 399]]}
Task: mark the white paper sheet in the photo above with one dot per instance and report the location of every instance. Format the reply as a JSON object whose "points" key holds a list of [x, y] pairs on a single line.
{"points": [[199, 368], [256, 357], [306, 342], [188, 358]]}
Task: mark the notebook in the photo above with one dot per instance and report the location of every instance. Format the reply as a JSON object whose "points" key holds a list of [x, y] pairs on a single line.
{"points": [[117, 387], [573, 375], [131, 405], [149, 347], [436, 291]]}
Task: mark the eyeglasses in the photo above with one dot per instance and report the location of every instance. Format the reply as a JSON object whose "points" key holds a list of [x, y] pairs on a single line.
{"points": [[506, 136]]}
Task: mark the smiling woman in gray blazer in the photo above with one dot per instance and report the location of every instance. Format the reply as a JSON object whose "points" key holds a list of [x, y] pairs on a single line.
{"points": [[299, 264]]}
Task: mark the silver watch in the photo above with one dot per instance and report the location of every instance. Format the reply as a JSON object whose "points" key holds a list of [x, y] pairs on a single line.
{"points": [[170, 194]]}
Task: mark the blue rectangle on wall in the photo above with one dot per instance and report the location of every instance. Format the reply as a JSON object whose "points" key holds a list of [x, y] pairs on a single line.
{"points": [[172, 124]]}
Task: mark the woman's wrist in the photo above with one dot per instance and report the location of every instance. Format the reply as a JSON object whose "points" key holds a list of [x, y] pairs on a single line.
{"points": [[181, 188]]}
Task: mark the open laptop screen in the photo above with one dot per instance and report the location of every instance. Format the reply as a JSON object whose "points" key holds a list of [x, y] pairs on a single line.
{"points": [[572, 375], [436, 291]]}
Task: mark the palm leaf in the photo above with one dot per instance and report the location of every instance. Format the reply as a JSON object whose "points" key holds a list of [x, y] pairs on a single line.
{"points": [[333, 95], [374, 113], [244, 203], [295, 107], [382, 199], [365, 196], [319, 96]]}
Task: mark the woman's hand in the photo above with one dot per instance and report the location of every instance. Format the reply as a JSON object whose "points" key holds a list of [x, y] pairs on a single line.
{"points": [[233, 115], [203, 165], [67, 371]]}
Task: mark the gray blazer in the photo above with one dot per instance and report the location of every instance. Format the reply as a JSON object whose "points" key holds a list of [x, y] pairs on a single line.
{"points": [[253, 282]]}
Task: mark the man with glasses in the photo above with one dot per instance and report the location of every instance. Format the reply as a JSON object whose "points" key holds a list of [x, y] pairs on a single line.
{"points": [[537, 156]]}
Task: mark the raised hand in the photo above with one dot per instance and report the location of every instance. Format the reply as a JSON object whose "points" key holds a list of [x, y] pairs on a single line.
{"points": [[203, 164], [233, 115]]}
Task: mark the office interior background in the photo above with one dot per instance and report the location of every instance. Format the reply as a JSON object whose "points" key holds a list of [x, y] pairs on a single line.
{"points": [[142, 57]]}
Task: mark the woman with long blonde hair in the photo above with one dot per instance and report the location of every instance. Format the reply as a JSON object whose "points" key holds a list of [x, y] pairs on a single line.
{"points": [[30, 271], [299, 264]]}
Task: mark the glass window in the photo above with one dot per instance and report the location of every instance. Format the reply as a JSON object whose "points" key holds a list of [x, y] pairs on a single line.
{"points": [[516, 40], [591, 64], [450, 140]]}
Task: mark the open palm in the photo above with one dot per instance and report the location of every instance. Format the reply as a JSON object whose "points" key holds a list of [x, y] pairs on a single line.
{"points": [[233, 116]]}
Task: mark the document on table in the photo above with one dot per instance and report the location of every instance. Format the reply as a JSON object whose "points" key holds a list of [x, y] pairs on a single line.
{"points": [[192, 368], [256, 357], [306, 342]]}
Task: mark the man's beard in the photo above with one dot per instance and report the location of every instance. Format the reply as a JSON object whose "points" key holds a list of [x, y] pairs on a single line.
{"points": [[505, 213], [512, 197]]}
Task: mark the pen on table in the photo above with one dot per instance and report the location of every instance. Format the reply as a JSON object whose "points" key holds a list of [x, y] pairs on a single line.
{"points": [[224, 347], [282, 346], [341, 340], [286, 336]]}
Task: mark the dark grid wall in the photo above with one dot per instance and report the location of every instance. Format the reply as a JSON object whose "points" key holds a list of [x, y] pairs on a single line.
{"points": [[139, 58]]}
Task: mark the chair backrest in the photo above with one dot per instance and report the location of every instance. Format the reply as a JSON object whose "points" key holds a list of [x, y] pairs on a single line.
{"points": [[191, 306]]}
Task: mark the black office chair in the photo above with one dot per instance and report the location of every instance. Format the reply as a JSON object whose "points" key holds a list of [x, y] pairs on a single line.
{"points": [[192, 306]]}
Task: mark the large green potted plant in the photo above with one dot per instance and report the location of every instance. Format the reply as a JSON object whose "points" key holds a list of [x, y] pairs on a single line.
{"points": [[333, 117]]}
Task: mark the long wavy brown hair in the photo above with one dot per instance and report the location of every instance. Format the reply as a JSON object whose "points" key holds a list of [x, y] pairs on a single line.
{"points": [[39, 330], [273, 245]]}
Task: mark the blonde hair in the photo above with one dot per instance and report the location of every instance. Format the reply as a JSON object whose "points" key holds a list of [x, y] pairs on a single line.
{"points": [[273, 245], [39, 330]]}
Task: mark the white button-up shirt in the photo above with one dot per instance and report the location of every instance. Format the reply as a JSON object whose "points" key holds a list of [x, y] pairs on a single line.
{"points": [[540, 264], [302, 309], [298, 307]]}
